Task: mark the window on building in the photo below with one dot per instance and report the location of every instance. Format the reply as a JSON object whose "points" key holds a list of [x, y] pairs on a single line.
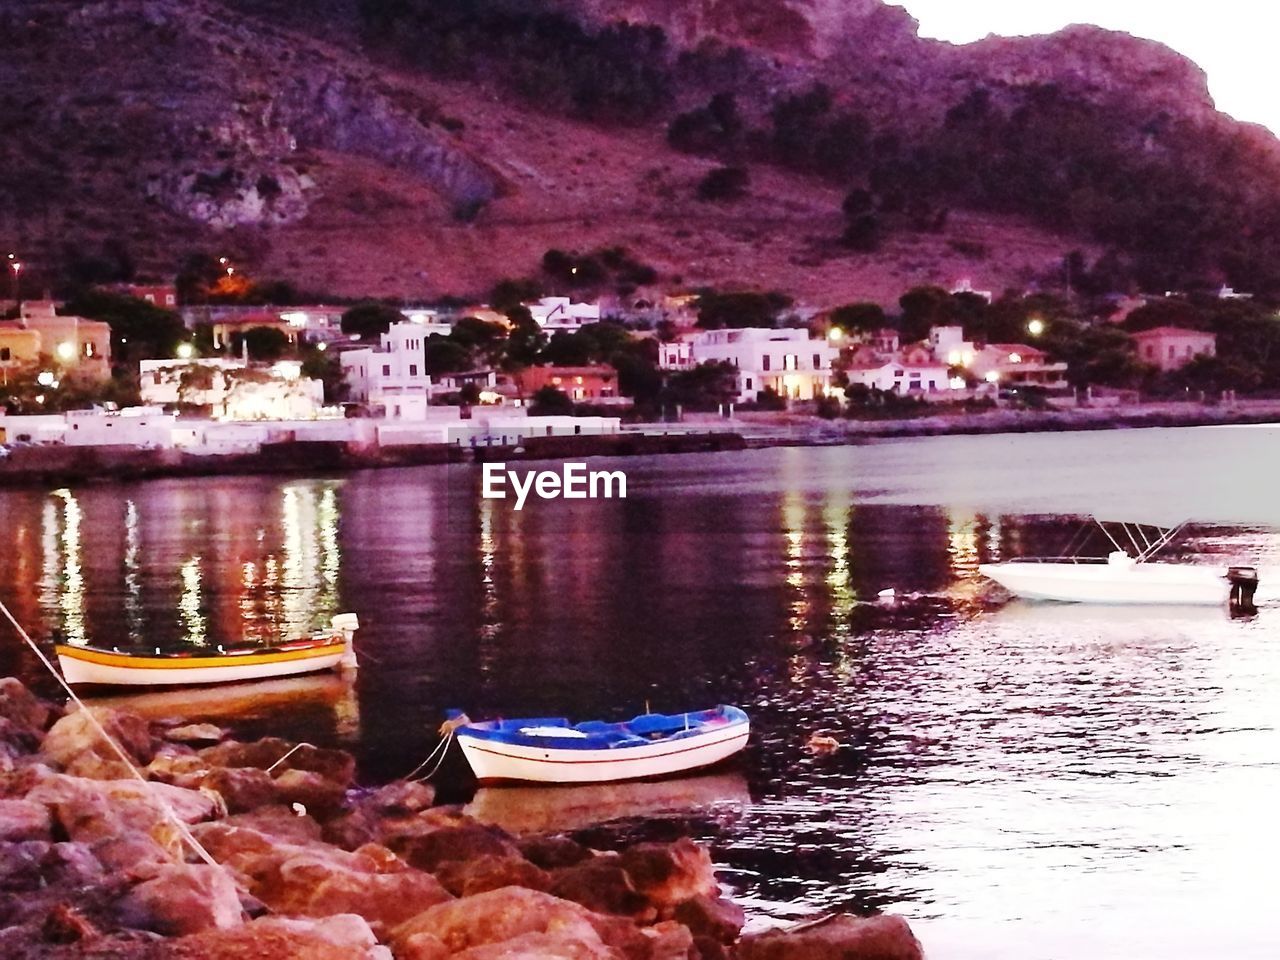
{"points": [[817, 361], [5, 354], [89, 350], [764, 362], [150, 298], [386, 369], [168, 299], [413, 369], [748, 383], [899, 373], [790, 362], [1172, 351]]}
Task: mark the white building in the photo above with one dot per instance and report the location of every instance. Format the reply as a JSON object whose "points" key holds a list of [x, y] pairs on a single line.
{"points": [[394, 376], [925, 380], [231, 389], [560, 313], [132, 426], [676, 355], [950, 347], [786, 361]]}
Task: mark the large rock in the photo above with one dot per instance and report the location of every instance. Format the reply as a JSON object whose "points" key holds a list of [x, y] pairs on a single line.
{"points": [[543, 946], [670, 873], [280, 822], [75, 741], [184, 898], [26, 712], [25, 820], [836, 938], [465, 878], [712, 917], [195, 733], [464, 842], [602, 885], [553, 852], [336, 765], [502, 915], [321, 797], [341, 937], [241, 788]]}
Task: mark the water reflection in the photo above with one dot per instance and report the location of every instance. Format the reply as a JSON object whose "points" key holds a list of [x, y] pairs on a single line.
{"points": [[997, 767]]}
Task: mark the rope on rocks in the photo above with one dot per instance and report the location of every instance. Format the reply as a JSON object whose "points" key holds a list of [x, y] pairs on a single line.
{"points": [[441, 748], [183, 830]]}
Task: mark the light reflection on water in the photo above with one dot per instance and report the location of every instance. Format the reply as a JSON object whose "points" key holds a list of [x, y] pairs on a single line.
{"points": [[1004, 772]]}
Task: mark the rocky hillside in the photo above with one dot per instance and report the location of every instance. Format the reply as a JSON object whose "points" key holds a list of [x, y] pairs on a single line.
{"points": [[416, 149]]}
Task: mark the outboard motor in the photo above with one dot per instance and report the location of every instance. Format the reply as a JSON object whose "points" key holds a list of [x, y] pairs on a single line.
{"points": [[1244, 582]]}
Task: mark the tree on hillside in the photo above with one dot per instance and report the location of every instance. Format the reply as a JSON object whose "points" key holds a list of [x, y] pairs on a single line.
{"points": [[445, 355], [139, 329], [525, 340], [724, 183], [370, 320], [550, 402], [1169, 312], [859, 317], [716, 310], [262, 343]]}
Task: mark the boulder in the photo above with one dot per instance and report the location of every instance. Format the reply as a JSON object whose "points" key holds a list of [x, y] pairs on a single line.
{"points": [[839, 937], [319, 796], [75, 739], [398, 798], [25, 712], [383, 899], [178, 765], [713, 917], [341, 937], [280, 822], [92, 810], [465, 878], [241, 788], [464, 842], [195, 733], [602, 885], [65, 924], [543, 946], [336, 765], [670, 873], [183, 898], [551, 853], [502, 915], [669, 941], [25, 820]]}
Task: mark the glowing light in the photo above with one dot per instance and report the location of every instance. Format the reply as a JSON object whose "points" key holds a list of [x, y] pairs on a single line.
{"points": [[186, 351], [287, 370], [46, 378], [835, 333], [294, 318], [993, 376], [322, 347], [957, 383], [66, 350], [1035, 327], [1015, 358]]}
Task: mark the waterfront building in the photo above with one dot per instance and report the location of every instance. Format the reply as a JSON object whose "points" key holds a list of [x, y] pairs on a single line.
{"points": [[394, 375], [1170, 348], [228, 389], [223, 331], [787, 361], [593, 384], [676, 355], [1014, 365], [561, 313], [142, 427], [163, 295], [928, 380], [70, 344]]}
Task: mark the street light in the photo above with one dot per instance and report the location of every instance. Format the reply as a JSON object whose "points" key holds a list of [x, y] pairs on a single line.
{"points": [[66, 350], [1035, 327], [186, 351], [836, 334], [45, 378]]}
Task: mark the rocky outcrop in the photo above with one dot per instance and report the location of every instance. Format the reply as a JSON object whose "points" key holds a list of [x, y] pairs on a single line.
{"points": [[305, 865]]}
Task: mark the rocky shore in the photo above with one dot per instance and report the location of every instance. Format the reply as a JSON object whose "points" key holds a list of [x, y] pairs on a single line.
{"points": [[308, 865]]}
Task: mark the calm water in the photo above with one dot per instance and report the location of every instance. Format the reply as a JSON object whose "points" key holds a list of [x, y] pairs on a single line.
{"points": [[1025, 781]]}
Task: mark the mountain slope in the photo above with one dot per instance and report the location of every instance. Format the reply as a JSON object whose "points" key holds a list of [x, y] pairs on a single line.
{"points": [[346, 161]]}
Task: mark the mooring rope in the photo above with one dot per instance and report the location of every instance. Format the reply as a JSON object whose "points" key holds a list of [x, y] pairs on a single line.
{"points": [[183, 830], [441, 749]]}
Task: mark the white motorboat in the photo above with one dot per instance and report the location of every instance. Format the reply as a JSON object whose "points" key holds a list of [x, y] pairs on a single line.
{"points": [[1125, 577]]}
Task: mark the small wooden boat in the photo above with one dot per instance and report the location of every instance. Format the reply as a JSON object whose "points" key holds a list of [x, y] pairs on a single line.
{"points": [[550, 750], [329, 650]]}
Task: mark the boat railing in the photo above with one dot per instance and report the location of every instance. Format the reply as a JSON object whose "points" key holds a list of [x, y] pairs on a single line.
{"points": [[1057, 560]]}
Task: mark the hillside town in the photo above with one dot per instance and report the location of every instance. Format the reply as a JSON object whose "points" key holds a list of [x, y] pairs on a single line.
{"points": [[138, 364]]}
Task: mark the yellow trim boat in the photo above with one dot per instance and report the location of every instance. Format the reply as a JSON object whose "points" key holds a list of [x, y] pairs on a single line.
{"points": [[330, 650]]}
